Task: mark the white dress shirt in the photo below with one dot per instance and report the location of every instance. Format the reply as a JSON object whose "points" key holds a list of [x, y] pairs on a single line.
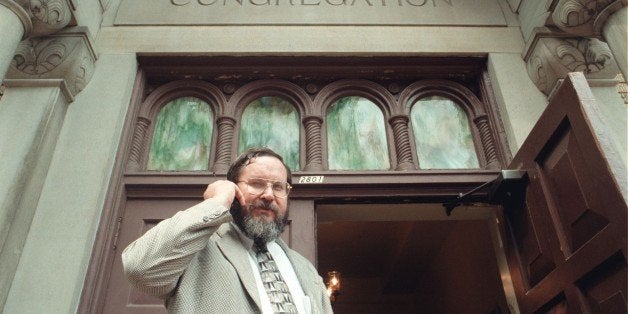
{"points": [[301, 302]]}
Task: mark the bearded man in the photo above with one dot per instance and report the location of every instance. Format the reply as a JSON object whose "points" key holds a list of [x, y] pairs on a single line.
{"points": [[224, 255]]}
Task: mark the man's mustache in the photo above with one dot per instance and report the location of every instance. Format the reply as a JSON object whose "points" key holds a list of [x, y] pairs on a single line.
{"points": [[263, 205]]}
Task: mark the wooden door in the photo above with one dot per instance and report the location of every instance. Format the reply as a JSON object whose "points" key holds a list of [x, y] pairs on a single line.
{"points": [[145, 208], [568, 226]]}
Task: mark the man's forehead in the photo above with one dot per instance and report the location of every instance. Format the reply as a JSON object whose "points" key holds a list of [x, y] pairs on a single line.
{"points": [[261, 163]]}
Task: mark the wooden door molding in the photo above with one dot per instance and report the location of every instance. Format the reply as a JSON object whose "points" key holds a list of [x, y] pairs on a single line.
{"points": [[301, 79], [568, 228]]}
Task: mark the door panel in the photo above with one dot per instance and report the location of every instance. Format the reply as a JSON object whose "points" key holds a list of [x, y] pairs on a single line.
{"points": [[140, 215], [568, 227]]}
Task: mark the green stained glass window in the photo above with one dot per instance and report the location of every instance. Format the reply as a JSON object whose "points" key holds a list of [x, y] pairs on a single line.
{"points": [[272, 122], [182, 136], [356, 135], [442, 135]]}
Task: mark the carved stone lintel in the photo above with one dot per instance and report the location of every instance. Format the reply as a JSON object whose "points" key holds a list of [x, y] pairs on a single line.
{"points": [[65, 56], [549, 59], [313, 143], [402, 142], [584, 18], [226, 126]]}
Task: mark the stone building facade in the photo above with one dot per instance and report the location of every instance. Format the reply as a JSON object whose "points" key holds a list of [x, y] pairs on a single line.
{"points": [[75, 76]]}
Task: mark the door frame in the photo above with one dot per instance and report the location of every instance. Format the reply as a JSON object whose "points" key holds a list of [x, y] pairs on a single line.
{"points": [[417, 186]]}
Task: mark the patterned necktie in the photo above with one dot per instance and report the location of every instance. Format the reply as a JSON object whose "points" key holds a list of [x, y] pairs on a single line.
{"points": [[276, 288]]}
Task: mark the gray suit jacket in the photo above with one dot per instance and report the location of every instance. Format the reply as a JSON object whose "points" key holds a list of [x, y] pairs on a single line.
{"points": [[196, 262]]}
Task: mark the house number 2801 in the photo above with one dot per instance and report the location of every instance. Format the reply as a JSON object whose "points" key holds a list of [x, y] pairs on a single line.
{"points": [[311, 179]]}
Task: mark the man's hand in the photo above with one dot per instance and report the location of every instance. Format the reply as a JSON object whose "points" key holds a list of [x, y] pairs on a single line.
{"points": [[224, 192]]}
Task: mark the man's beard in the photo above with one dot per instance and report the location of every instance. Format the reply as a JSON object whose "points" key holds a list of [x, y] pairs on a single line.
{"points": [[258, 229]]}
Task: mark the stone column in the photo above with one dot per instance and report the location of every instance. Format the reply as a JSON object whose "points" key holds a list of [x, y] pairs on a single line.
{"points": [[53, 263], [15, 24], [67, 56], [615, 33], [313, 143], [20, 19], [137, 144], [42, 80], [226, 128], [592, 40], [402, 142], [30, 121]]}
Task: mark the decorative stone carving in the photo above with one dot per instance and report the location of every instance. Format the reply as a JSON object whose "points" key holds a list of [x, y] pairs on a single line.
{"points": [[66, 56], [226, 126], [49, 16], [402, 142], [139, 137], [550, 59], [584, 18], [488, 142], [42, 17], [313, 143]]}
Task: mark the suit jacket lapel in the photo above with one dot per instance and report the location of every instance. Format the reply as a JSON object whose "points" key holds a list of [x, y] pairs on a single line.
{"points": [[230, 245], [302, 270]]}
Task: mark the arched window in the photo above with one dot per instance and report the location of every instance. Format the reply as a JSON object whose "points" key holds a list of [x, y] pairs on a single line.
{"points": [[442, 135], [272, 122], [356, 135], [182, 136]]}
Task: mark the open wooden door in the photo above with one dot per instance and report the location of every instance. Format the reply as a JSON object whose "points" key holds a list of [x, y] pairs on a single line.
{"points": [[568, 226]]}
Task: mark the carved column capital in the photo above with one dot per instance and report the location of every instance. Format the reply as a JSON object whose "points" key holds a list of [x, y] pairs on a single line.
{"points": [[50, 16], [20, 8], [42, 17], [584, 18], [65, 56], [550, 57]]}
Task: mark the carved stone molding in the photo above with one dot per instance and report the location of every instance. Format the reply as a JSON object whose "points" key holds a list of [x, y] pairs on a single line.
{"points": [[42, 17], [137, 143], [226, 127], [585, 18], [65, 56], [488, 142], [50, 16], [549, 59]]}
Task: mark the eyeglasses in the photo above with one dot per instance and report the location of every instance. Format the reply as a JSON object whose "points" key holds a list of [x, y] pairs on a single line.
{"points": [[257, 186]]}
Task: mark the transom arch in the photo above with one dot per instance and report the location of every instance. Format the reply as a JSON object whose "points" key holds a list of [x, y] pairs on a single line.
{"points": [[277, 88], [458, 93], [184, 88], [461, 96], [370, 90]]}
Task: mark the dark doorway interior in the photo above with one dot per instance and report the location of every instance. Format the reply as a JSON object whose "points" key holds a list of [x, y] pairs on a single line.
{"points": [[411, 266]]}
